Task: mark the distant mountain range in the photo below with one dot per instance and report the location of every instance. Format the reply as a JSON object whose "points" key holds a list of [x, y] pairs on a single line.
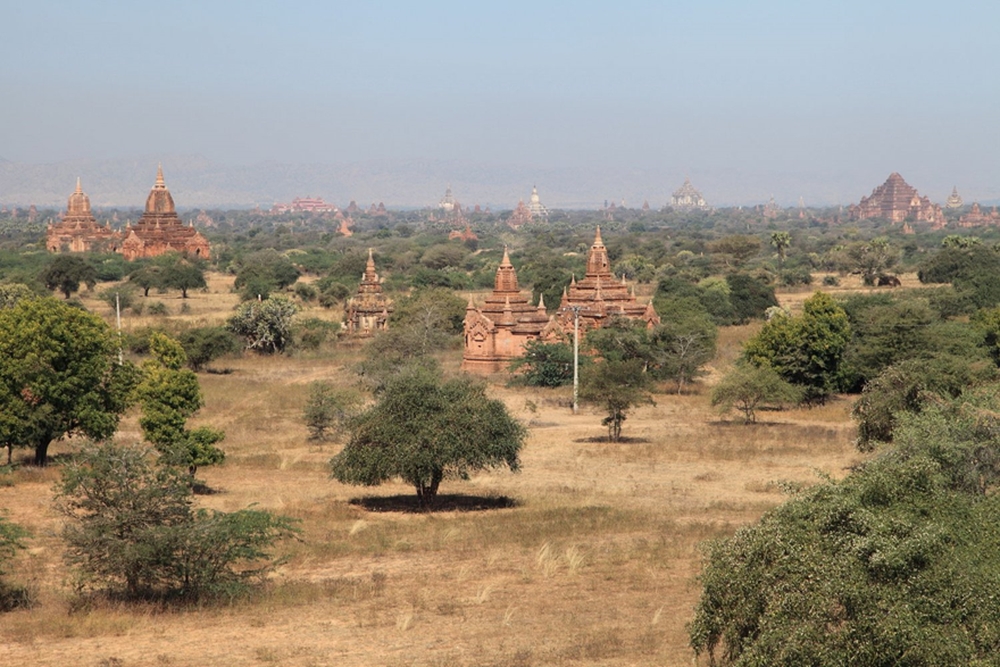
{"points": [[197, 182]]}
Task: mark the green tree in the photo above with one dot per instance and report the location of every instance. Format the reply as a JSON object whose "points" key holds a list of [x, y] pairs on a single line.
{"points": [[806, 350], [544, 364], [618, 387], [183, 274], [11, 541], [750, 297], [328, 409], [262, 272], [747, 388], [424, 430], [872, 259], [781, 241], [132, 531], [683, 344], [59, 376], [66, 272], [147, 277], [203, 345], [736, 249], [896, 564], [265, 326], [12, 293], [169, 395]]}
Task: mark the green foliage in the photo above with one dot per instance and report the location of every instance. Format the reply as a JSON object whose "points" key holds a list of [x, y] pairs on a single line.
{"points": [[683, 343], [748, 388], [872, 259], [618, 387], [907, 387], [736, 249], [265, 326], [544, 364], [973, 270], [58, 375], [750, 296], [437, 312], [206, 344], [805, 350], [147, 277], [781, 242], [896, 564], [131, 530], [312, 332], [424, 430], [169, 394], [12, 293], [182, 274], [262, 272], [66, 272], [328, 409], [11, 536]]}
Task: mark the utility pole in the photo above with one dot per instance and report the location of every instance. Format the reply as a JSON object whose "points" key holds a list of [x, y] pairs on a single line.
{"points": [[118, 318]]}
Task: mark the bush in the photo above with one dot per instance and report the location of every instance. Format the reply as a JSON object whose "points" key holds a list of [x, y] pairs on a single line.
{"points": [[311, 333], [747, 388], [205, 344], [131, 530], [327, 409], [265, 326], [830, 281], [158, 308], [544, 365]]}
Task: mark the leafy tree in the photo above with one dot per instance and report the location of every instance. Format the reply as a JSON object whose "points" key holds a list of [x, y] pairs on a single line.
{"points": [[11, 536], [132, 531], [58, 376], [66, 272], [896, 564], [781, 241], [12, 293], [263, 272], [265, 326], [618, 387], [544, 364], [206, 344], [684, 343], [183, 274], [328, 409], [147, 277], [424, 430], [750, 297], [622, 339], [872, 259], [747, 388], [736, 249], [806, 350], [169, 394]]}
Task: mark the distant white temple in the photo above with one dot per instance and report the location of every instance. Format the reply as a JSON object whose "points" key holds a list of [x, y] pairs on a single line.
{"points": [[687, 198], [535, 205], [447, 202]]}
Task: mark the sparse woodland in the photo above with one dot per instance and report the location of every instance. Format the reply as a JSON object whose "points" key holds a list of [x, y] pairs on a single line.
{"points": [[855, 427]]}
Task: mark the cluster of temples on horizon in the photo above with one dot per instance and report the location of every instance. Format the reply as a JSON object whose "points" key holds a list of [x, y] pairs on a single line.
{"points": [[158, 231]]}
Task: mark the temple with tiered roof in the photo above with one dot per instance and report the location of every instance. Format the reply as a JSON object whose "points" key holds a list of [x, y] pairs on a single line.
{"points": [[954, 200], [78, 230], [897, 201], [535, 205], [369, 309], [160, 230], [600, 296], [497, 332], [687, 198]]}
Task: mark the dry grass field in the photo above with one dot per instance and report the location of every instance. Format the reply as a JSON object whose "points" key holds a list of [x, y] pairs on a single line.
{"points": [[595, 564]]}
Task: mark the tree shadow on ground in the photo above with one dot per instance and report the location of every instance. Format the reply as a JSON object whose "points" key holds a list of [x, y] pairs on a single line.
{"points": [[739, 423], [624, 440], [454, 502]]}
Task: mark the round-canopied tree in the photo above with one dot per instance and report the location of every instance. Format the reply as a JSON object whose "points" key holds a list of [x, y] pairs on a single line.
{"points": [[59, 375], [423, 430]]}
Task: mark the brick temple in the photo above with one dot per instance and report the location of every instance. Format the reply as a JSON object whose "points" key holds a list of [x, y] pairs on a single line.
{"points": [[369, 309], [897, 201], [78, 231], [159, 230], [497, 331]]}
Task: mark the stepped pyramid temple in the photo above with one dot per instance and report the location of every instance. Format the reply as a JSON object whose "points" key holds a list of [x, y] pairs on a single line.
{"points": [[78, 230], [497, 332], [896, 201], [955, 200], [368, 311], [535, 205], [687, 198], [159, 230]]}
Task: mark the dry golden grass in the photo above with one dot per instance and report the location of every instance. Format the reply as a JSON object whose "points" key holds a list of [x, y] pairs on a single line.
{"points": [[596, 564]]}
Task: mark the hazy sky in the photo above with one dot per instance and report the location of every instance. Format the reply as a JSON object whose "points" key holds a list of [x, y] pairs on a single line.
{"points": [[805, 93]]}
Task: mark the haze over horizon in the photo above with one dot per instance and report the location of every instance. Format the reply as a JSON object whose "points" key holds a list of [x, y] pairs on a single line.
{"points": [[392, 101]]}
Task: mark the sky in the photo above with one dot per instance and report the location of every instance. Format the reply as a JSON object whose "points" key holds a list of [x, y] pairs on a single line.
{"points": [[821, 99]]}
